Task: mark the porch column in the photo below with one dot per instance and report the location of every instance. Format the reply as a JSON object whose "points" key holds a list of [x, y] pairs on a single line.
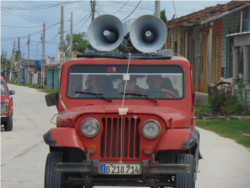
{"points": [[199, 58], [179, 41], [235, 64], [246, 64], [172, 35], [209, 56]]}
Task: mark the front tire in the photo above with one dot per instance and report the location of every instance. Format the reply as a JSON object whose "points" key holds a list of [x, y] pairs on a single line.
{"points": [[9, 124], [185, 180], [53, 179]]}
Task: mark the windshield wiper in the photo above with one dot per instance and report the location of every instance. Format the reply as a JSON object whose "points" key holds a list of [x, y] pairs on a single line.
{"points": [[96, 94], [140, 95]]}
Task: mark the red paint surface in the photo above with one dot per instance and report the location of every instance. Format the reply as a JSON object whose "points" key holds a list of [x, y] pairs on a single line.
{"points": [[66, 137], [172, 139]]}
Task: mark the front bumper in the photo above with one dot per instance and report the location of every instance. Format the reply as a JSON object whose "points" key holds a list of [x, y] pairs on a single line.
{"points": [[148, 168], [91, 177]]}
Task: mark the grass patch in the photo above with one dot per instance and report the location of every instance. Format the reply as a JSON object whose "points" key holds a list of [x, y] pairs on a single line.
{"points": [[230, 129], [36, 86]]}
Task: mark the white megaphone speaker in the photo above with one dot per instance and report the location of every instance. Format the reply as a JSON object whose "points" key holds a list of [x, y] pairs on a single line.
{"points": [[126, 45], [148, 33], [127, 24], [105, 33]]}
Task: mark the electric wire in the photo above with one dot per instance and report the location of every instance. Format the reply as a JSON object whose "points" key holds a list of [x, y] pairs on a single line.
{"points": [[132, 11], [121, 7]]}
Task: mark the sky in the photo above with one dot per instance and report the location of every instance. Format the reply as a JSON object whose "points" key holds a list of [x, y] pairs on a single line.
{"points": [[23, 18]]}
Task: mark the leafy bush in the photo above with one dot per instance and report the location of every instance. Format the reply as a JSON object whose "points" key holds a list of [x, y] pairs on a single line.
{"points": [[232, 105], [216, 101], [225, 104], [202, 110]]}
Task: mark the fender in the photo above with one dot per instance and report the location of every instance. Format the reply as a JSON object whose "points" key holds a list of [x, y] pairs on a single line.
{"points": [[197, 136], [56, 137], [176, 139]]}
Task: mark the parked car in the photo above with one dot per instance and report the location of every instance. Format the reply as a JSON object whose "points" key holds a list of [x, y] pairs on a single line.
{"points": [[6, 106]]}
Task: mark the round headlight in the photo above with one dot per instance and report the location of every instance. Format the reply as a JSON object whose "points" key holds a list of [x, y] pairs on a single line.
{"points": [[90, 127], [3, 109], [151, 129]]}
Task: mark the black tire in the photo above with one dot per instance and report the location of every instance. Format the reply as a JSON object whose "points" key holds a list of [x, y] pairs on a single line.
{"points": [[9, 124], [185, 180], [53, 179]]}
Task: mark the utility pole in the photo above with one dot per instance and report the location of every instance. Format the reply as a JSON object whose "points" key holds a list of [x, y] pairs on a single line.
{"points": [[6, 64], [93, 10], [13, 61], [18, 64], [43, 57], [2, 59], [71, 37], [157, 8], [61, 39], [28, 60]]}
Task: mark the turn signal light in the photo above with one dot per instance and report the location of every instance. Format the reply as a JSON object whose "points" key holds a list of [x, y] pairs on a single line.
{"points": [[148, 149], [91, 149]]}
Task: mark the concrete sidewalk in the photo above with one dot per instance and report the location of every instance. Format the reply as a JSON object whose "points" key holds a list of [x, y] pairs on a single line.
{"points": [[226, 164]]}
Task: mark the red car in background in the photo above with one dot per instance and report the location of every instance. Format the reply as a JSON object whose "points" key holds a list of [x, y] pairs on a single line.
{"points": [[6, 106]]}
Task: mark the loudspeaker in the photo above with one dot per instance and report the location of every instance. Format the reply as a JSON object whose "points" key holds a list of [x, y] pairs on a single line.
{"points": [[127, 26], [148, 33], [126, 45], [105, 33]]}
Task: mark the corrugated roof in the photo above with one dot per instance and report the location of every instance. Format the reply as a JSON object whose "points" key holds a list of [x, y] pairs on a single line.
{"points": [[196, 17]]}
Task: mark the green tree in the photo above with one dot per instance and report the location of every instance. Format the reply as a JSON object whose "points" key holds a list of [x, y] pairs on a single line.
{"points": [[4, 64], [79, 43], [163, 16], [16, 56]]}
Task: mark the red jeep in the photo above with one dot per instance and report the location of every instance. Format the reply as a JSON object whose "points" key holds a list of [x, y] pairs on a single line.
{"points": [[123, 121], [6, 106]]}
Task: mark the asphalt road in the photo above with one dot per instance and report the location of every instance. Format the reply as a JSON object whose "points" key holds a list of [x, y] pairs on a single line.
{"points": [[226, 164]]}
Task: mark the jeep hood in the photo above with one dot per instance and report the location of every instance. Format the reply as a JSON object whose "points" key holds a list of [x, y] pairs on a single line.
{"points": [[178, 118]]}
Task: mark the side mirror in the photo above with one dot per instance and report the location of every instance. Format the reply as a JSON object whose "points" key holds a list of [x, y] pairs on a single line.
{"points": [[51, 99], [11, 92], [200, 99]]}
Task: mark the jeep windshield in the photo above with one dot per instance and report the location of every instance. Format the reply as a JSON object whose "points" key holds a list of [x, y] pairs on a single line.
{"points": [[111, 81]]}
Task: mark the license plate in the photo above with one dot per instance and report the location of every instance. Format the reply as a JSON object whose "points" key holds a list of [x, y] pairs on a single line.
{"points": [[120, 169]]}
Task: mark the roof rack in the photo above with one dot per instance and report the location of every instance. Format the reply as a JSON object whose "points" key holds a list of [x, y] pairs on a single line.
{"points": [[90, 52]]}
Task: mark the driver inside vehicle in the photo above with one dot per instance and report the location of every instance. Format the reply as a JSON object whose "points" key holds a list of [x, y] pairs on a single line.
{"points": [[154, 83]]}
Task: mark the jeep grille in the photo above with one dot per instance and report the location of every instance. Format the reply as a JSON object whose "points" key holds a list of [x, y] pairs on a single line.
{"points": [[111, 138]]}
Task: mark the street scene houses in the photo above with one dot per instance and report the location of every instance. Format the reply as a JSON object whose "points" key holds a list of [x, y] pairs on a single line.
{"points": [[133, 96], [203, 37]]}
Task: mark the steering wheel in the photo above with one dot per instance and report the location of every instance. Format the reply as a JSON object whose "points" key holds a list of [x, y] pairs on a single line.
{"points": [[160, 92]]}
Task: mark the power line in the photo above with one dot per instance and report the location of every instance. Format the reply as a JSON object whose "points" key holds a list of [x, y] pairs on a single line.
{"points": [[121, 7], [38, 7], [146, 8], [19, 26], [132, 11]]}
